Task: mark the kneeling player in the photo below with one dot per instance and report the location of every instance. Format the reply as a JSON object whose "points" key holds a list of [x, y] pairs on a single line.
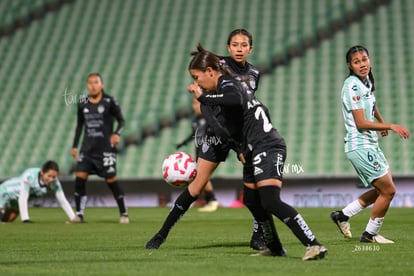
{"points": [[33, 183]]}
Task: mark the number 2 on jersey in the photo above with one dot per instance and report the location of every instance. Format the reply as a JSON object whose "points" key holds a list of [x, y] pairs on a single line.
{"points": [[267, 126]]}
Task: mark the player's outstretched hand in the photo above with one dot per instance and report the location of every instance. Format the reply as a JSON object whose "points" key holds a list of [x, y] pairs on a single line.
{"points": [[401, 131]]}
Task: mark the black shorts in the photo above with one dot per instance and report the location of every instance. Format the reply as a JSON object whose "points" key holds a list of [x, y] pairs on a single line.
{"points": [[265, 165], [213, 152], [103, 165]]}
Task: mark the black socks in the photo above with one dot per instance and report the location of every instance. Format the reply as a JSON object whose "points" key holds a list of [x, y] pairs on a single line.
{"points": [[181, 206], [80, 195], [118, 194], [270, 198], [251, 199], [209, 196]]}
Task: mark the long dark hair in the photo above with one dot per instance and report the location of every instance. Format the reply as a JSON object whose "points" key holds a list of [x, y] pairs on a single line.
{"points": [[203, 59], [96, 75], [353, 50]]}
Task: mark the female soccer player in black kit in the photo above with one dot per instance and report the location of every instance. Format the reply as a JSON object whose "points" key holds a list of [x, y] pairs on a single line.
{"points": [[199, 127], [263, 148], [98, 152], [240, 45], [246, 121]]}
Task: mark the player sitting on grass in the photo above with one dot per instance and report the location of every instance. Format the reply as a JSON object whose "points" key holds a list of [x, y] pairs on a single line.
{"points": [[33, 183]]}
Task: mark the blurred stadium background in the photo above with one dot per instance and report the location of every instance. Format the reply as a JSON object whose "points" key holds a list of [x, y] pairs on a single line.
{"points": [[141, 48]]}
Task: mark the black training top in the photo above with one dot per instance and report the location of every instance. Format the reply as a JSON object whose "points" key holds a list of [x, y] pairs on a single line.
{"points": [[246, 118], [98, 119], [248, 74]]}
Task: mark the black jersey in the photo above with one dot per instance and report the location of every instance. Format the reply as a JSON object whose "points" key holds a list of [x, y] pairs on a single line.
{"points": [[245, 117], [98, 119], [248, 74]]}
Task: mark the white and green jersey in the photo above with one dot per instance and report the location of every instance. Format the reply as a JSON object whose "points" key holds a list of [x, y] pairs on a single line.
{"points": [[30, 182], [356, 95], [15, 193]]}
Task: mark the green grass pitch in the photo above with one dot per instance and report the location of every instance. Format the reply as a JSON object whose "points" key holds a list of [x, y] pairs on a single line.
{"points": [[200, 244]]}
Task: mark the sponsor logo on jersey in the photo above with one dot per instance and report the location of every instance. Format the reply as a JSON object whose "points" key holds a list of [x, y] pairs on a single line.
{"points": [[101, 109], [257, 170], [253, 84], [377, 166], [214, 96], [205, 147], [354, 87], [356, 98]]}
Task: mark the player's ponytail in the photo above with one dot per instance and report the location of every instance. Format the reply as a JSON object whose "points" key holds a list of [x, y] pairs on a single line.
{"points": [[371, 78], [353, 50], [203, 59]]}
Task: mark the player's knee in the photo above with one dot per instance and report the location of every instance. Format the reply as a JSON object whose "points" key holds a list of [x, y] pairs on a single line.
{"points": [[83, 175], [391, 194], [388, 193], [111, 180]]}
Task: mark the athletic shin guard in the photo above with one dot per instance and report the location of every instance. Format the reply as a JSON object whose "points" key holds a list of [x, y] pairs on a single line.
{"points": [[80, 195], [181, 206], [252, 201], [118, 194], [270, 197]]}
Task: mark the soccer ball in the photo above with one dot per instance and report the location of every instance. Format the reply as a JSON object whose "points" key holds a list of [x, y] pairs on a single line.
{"points": [[179, 169]]}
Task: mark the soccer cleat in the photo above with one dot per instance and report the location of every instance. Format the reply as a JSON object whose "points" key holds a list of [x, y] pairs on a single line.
{"points": [[315, 252], [81, 218], [366, 237], [155, 242], [76, 219], [257, 242], [210, 207], [343, 226], [268, 252], [124, 219]]}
